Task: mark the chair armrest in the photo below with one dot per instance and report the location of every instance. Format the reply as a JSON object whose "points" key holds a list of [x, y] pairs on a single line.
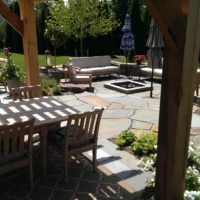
{"points": [[78, 68]]}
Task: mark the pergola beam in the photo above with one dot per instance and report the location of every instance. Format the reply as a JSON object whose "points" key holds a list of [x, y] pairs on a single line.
{"points": [[30, 41], [171, 22], [11, 18], [181, 53]]}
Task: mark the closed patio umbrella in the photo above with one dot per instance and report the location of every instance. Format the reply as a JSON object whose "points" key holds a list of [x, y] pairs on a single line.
{"points": [[127, 43], [154, 54]]}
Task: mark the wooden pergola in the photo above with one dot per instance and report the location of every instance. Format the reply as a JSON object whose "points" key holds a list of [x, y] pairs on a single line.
{"points": [[25, 25], [179, 22]]}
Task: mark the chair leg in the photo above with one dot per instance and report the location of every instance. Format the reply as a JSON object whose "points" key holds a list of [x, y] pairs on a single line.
{"points": [[65, 169], [31, 174], [94, 151]]}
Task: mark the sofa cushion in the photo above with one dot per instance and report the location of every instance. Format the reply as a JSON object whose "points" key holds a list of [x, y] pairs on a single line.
{"points": [[90, 62], [101, 70], [148, 71]]}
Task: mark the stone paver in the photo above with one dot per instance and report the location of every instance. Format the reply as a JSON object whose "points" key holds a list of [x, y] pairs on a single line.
{"points": [[110, 128], [151, 116], [117, 114], [141, 125], [118, 176], [115, 106], [96, 101]]}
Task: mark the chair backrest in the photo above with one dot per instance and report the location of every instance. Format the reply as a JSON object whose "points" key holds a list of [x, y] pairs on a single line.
{"points": [[26, 92], [71, 71], [12, 145], [83, 126]]}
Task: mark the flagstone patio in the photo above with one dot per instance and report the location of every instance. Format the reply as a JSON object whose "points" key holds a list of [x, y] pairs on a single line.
{"points": [[118, 176]]}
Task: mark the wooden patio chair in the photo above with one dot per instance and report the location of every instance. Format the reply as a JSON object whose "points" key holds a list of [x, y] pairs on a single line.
{"points": [[78, 78], [79, 135], [14, 153], [26, 92]]}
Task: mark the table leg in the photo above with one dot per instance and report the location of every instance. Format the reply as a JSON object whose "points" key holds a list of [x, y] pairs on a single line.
{"points": [[43, 140]]}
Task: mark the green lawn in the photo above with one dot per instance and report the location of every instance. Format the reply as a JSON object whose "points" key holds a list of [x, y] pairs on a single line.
{"points": [[19, 59]]}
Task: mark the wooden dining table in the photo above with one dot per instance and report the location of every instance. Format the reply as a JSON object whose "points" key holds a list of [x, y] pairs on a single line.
{"points": [[48, 112]]}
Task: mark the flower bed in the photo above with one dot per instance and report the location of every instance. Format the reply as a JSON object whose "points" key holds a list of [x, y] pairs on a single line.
{"points": [[144, 146]]}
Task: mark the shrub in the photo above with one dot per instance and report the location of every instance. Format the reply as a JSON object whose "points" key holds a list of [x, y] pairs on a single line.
{"points": [[12, 71], [125, 138], [49, 86], [144, 144], [192, 178]]}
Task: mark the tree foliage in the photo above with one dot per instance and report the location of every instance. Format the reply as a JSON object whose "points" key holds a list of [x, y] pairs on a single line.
{"points": [[41, 14], [12, 38], [140, 24], [79, 19]]}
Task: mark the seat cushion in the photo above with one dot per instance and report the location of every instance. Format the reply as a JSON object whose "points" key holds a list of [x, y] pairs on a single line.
{"points": [[57, 138], [82, 79], [101, 70]]}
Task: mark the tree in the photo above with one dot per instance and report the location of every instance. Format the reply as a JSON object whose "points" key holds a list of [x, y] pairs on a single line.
{"points": [[41, 12], [119, 7], [140, 24], [12, 38], [80, 18], [56, 30]]}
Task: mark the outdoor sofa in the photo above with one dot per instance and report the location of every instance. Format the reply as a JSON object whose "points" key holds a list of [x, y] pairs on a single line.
{"points": [[147, 71], [95, 65]]}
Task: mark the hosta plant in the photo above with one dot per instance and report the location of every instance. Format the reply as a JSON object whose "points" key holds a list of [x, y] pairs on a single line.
{"points": [[145, 144], [125, 138]]}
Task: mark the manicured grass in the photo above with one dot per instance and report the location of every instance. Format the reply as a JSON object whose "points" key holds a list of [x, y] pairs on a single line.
{"points": [[120, 59], [19, 59]]}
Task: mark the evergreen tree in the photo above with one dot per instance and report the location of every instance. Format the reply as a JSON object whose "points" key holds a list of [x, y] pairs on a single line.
{"points": [[139, 20], [119, 7], [41, 13], [12, 38], [17, 38]]}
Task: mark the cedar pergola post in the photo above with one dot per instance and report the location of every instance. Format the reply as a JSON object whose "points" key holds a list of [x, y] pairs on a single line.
{"points": [[30, 41], [181, 56]]}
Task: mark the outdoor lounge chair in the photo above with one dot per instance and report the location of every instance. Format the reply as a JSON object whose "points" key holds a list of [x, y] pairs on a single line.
{"points": [[26, 92], [79, 78], [14, 153], [78, 136]]}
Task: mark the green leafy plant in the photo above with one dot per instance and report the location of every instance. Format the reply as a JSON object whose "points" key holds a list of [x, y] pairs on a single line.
{"points": [[49, 86], [12, 71], [125, 138], [144, 144], [192, 180]]}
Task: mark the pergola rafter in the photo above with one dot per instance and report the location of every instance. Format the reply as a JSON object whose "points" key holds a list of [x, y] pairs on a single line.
{"points": [[11, 18]]}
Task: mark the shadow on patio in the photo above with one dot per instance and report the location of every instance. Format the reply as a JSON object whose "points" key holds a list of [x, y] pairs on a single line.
{"points": [[83, 182]]}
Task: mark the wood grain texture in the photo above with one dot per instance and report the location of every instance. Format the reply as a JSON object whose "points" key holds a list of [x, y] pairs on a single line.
{"points": [[11, 18], [80, 135], [177, 23], [30, 42], [14, 153]]}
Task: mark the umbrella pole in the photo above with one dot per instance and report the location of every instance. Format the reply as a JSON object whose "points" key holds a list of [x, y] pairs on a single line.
{"points": [[126, 67], [152, 75]]}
